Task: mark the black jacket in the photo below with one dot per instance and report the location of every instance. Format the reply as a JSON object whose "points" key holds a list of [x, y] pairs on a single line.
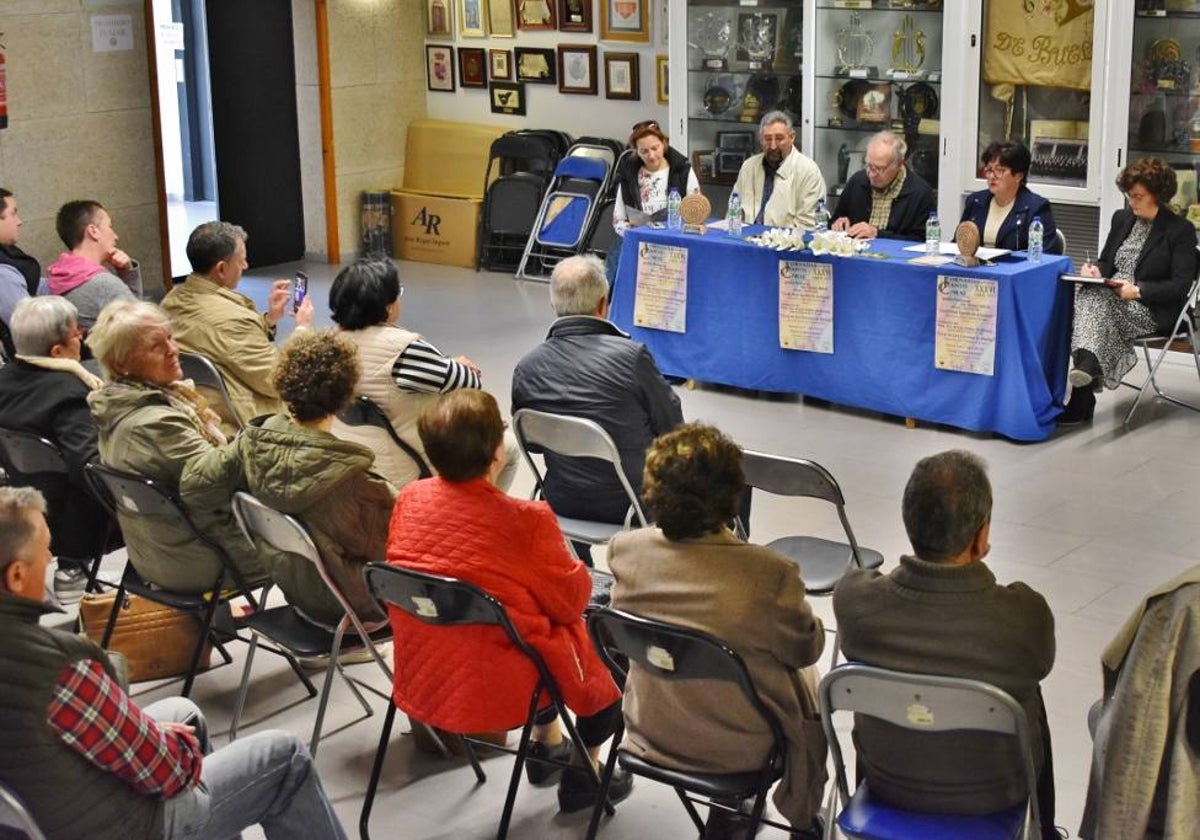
{"points": [[1014, 230], [910, 209], [587, 367], [1166, 267], [627, 172]]}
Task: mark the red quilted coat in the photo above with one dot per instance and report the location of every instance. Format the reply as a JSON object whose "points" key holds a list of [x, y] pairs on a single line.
{"points": [[471, 678]]}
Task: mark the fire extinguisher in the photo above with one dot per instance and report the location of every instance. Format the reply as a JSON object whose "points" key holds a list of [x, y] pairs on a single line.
{"points": [[3, 88]]}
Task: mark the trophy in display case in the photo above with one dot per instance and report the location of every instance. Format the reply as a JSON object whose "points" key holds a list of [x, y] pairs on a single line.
{"points": [[756, 39], [908, 50], [854, 49], [720, 94], [1168, 70], [714, 37]]}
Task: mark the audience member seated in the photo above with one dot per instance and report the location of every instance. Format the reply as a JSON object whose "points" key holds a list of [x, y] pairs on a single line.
{"points": [[294, 465], [88, 762], [942, 612], [401, 371], [472, 679], [691, 570], [779, 186], [20, 273], [150, 424], [212, 318], [1005, 210], [44, 392], [589, 368], [93, 271], [1145, 779], [1149, 260], [885, 198]]}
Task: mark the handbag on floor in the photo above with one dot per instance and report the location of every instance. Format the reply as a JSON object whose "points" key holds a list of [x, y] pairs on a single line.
{"points": [[157, 641]]}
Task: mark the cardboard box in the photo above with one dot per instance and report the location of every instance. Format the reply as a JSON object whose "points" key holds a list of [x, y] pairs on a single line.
{"points": [[435, 229]]}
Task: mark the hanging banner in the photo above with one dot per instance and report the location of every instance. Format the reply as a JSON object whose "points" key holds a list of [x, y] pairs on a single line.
{"points": [[660, 299], [965, 337], [1047, 43], [806, 306]]}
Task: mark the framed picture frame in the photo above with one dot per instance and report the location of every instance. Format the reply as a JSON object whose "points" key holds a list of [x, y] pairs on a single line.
{"points": [[736, 141], [500, 18], [535, 65], [661, 78], [471, 23], [507, 98], [439, 67], [702, 164], [577, 69], [621, 76], [624, 20], [763, 28], [472, 67], [500, 65], [535, 14], [875, 105], [439, 18], [575, 15]]}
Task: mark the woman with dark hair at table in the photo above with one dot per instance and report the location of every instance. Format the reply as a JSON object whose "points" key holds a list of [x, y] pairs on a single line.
{"points": [[691, 570], [1149, 262], [1005, 210]]}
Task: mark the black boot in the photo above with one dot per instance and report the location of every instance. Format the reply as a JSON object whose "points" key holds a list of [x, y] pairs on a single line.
{"points": [[1079, 408]]}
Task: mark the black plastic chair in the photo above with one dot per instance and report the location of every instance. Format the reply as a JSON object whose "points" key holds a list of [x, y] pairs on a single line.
{"points": [[23, 455], [674, 653], [445, 601], [284, 626], [204, 374], [15, 816], [137, 497], [362, 411]]}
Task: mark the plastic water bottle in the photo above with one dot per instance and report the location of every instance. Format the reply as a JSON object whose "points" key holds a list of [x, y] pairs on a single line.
{"points": [[733, 216], [673, 202], [933, 235], [822, 216], [1036, 233]]}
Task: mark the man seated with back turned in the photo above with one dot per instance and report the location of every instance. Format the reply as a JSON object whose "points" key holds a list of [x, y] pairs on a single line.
{"points": [[779, 186], [210, 317], [587, 367], [885, 198], [88, 762], [942, 612], [93, 271]]}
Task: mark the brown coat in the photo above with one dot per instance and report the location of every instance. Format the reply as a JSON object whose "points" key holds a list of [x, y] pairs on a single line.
{"points": [[753, 599]]}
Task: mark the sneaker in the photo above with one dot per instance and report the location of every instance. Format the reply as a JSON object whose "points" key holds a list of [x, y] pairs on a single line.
{"points": [[544, 775], [577, 791], [69, 584]]}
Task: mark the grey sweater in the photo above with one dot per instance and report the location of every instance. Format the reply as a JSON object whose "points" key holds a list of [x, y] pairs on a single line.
{"points": [[102, 290]]}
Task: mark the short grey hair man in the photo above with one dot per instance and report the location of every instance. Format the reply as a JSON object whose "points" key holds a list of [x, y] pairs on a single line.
{"points": [[578, 287], [212, 242], [772, 117], [891, 141], [947, 501], [39, 323], [16, 525]]}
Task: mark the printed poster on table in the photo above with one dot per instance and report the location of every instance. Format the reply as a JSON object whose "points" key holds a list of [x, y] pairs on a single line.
{"points": [[660, 299], [806, 306], [966, 324]]}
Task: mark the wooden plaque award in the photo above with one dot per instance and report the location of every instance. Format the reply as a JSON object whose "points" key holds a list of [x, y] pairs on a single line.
{"points": [[694, 210]]}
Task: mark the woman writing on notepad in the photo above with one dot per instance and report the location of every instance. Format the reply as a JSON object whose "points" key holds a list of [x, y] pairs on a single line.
{"points": [[1005, 210], [1149, 259]]}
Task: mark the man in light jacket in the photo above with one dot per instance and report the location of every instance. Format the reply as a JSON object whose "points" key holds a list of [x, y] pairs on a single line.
{"points": [[779, 186]]}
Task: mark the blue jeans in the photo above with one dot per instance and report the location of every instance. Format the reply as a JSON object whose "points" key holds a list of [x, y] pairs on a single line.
{"points": [[265, 779]]}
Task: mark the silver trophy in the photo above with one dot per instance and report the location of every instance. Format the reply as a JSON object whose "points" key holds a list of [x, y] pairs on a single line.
{"points": [[714, 37], [854, 49], [757, 39]]}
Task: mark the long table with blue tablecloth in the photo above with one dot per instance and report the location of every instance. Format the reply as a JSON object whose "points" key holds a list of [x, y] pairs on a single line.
{"points": [[884, 318]]}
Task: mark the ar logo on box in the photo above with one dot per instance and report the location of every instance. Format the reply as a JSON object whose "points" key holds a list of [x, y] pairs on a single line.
{"points": [[429, 220]]}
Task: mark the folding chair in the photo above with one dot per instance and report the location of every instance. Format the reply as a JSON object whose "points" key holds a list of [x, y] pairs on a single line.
{"points": [[137, 497], [285, 627], [678, 654], [204, 374], [369, 420], [14, 815], [924, 703], [24, 455], [1184, 330], [446, 602], [574, 437]]}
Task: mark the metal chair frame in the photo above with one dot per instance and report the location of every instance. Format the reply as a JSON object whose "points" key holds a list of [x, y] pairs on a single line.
{"points": [[674, 653], [946, 703], [1184, 329], [444, 601], [205, 374], [287, 534]]}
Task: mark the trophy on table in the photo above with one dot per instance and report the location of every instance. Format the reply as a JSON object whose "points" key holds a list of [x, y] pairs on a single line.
{"points": [[908, 50], [714, 37], [757, 39], [854, 48], [695, 210]]}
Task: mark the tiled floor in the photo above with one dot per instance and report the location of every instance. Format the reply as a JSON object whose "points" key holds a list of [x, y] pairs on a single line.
{"points": [[1091, 519]]}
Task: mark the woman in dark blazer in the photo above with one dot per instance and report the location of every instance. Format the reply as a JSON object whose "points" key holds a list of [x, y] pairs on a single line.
{"points": [[1007, 203], [1149, 260]]}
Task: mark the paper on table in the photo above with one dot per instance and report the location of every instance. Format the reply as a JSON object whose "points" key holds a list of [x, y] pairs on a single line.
{"points": [[941, 259], [719, 224], [951, 248]]}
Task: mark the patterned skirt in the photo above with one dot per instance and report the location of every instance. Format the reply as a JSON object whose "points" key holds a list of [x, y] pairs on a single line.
{"points": [[1107, 326]]}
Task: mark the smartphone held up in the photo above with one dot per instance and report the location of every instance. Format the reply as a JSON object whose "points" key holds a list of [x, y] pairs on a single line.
{"points": [[299, 290]]}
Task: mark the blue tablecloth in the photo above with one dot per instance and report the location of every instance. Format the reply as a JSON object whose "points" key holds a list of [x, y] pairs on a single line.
{"points": [[884, 318]]}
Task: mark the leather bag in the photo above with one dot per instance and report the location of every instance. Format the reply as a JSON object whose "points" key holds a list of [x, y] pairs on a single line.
{"points": [[156, 640]]}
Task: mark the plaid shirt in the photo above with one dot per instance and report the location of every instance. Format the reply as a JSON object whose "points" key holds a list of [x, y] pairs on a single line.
{"points": [[881, 200], [96, 719]]}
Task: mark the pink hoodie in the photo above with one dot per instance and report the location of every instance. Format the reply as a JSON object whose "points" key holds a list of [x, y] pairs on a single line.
{"points": [[71, 271]]}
